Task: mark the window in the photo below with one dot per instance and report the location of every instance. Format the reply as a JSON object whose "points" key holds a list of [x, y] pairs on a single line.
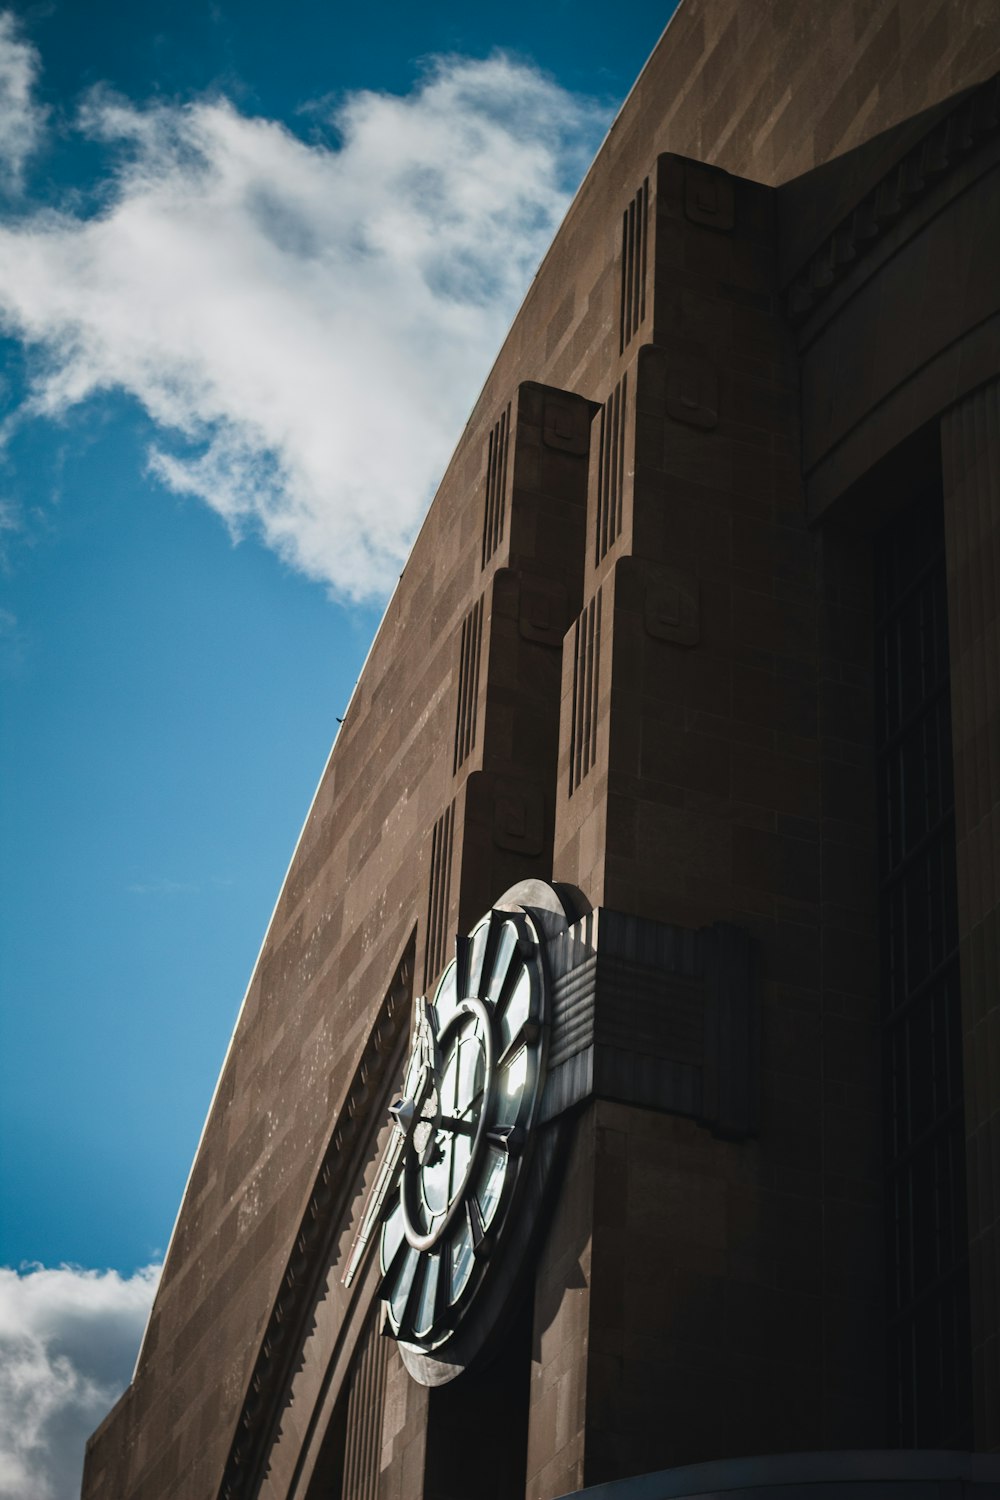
{"points": [[927, 1236]]}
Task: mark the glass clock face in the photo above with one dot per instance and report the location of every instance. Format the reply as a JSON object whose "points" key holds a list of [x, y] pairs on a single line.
{"points": [[463, 1126]]}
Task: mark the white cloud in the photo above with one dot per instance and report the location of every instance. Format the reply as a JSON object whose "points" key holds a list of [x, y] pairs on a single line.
{"points": [[307, 324], [68, 1341], [21, 120]]}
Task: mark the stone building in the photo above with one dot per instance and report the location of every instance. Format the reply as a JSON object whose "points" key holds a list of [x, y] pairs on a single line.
{"points": [[691, 689]]}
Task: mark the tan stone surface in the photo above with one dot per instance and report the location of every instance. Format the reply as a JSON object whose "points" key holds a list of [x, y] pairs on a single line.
{"points": [[732, 779]]}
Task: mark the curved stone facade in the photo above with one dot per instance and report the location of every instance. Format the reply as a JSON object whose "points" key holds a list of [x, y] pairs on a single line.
{"points": [[703, 626]]}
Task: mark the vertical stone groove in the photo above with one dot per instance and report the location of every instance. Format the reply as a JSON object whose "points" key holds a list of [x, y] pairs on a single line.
{"points": [[496, 486], [611, 469], [439, 893], [635, 228], [468, 683], [364, 1416], [586, 664]]}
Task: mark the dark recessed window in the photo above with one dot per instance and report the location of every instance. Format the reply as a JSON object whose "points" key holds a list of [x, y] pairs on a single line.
{"points": [[927, 1235]]}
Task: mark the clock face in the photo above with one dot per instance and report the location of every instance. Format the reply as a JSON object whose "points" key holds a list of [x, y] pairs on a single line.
{"points": [[464, 1127]]}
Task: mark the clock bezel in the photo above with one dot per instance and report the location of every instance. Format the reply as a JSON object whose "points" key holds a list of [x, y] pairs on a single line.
{"points": [[472, 969], [450, 1344]]}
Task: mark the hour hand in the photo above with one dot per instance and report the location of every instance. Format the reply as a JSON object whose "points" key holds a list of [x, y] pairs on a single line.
{"points": [[385, 1181], [433, 1151], [405, 1113], [457, 1124]]}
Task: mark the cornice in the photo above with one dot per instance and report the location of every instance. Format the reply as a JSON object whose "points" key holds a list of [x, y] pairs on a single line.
{"points": [[279, 1346], [942, 150]]}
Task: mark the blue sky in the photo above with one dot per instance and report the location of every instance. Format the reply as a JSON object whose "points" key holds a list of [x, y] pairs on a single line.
{"points": [[255, 261]]}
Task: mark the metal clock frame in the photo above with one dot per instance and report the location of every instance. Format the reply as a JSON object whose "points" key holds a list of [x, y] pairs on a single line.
{"points": [[504, 946]]}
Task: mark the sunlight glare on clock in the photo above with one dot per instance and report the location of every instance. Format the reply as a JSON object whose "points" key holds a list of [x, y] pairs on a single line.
{"points": [[392, 1236], [435, 1178], [472, 1071], [516, 1011], [491, 1176], [476, 955], [424, 1319], [404, 1281], [501, 963], [446, 999], [461, 1262], [510, 1087]]}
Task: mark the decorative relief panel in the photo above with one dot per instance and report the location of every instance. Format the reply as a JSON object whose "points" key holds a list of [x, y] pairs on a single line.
{"points": [[709, 198], [975, 119], [656, 1015], [693, 395], [670, 608], [518, 816], [542, 610], [566, 425]]}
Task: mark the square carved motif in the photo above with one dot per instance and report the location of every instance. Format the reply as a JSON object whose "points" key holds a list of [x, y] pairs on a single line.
{"points": [[518, 816], [709, 198], [671, 606], [543, 611], [566, 426], [693, 396]]}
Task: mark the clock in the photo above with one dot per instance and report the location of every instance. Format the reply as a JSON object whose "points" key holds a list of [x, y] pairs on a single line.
{"points": [[457, 1196]]}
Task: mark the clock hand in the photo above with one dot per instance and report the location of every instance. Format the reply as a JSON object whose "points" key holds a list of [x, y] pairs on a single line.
{"points": [[385, 1180], [405, 1114], [457, 1124]]}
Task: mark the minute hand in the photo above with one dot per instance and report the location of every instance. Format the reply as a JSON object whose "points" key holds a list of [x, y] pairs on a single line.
{"points": [[405, 1114]]}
